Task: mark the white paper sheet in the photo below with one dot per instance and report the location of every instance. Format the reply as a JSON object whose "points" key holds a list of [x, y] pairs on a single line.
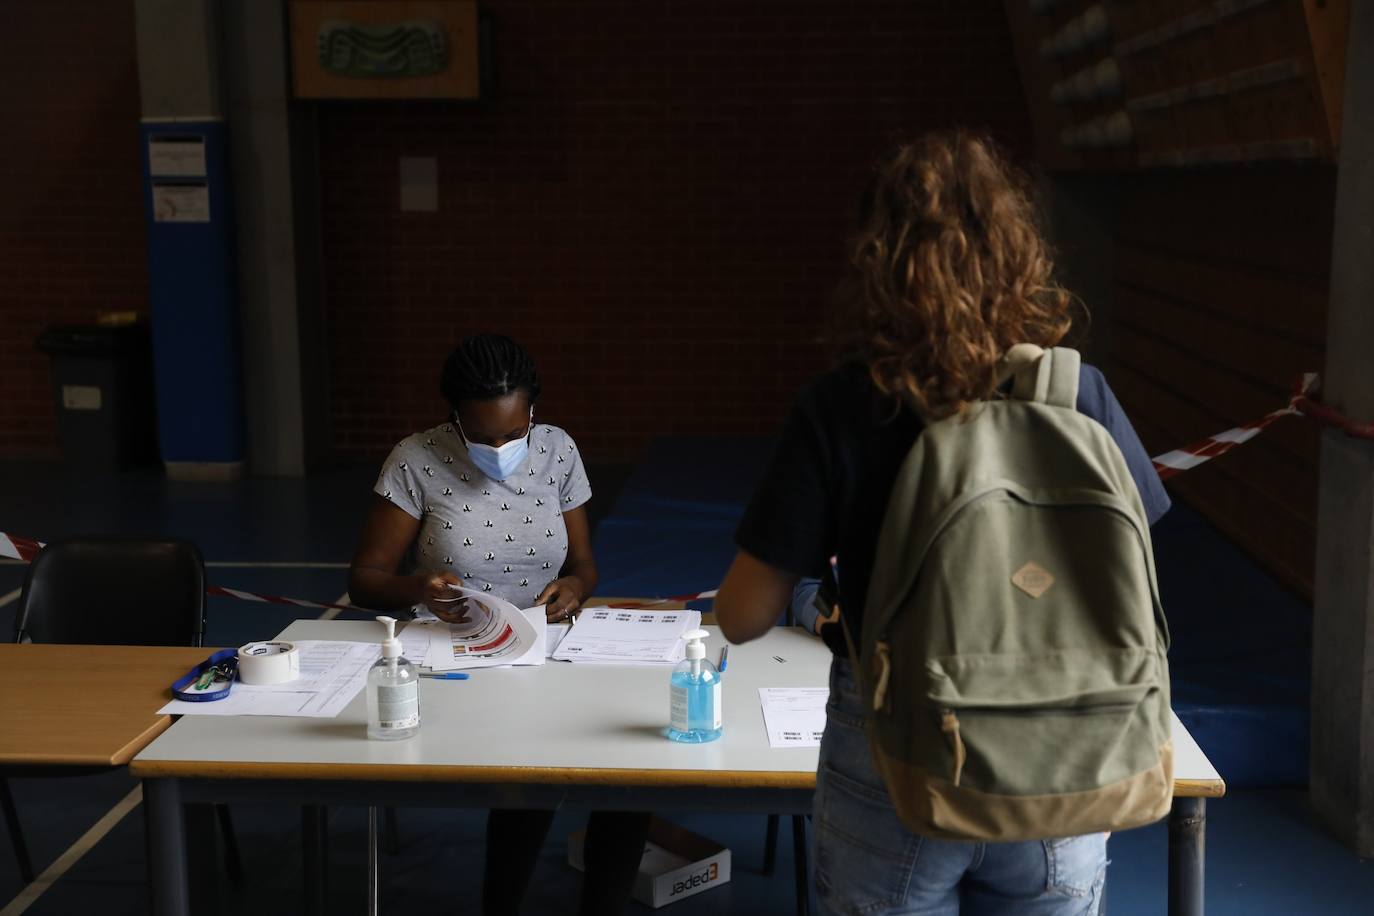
{"points": [[331, 675], [178, 155], [184, 202], [617, 636], [794, 716], [554, 633]]}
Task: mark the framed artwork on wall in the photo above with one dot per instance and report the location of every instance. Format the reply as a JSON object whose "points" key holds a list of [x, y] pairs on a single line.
{"points": [[375, 49]]}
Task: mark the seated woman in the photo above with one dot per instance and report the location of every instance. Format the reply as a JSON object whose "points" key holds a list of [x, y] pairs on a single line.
{"points": [[491, 500]]}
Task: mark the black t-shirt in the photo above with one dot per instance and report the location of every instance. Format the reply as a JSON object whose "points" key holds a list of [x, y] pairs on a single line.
{"points": [[826, 489]]}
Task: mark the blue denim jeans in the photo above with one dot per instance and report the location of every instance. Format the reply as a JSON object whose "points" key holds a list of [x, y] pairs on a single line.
{"points": [[867, 863]]}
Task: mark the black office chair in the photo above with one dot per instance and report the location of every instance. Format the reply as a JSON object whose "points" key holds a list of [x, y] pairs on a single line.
{"points": [[111, 591], [114, 592]]}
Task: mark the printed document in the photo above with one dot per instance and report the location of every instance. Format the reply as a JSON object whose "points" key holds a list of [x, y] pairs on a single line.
{"points": [[332, 674], [553, 636], [794, 716], [492, 632], [617, 636]]}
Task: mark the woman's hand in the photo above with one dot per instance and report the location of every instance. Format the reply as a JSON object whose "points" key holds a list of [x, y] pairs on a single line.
{"points": [[561, 598], [439, 597]]}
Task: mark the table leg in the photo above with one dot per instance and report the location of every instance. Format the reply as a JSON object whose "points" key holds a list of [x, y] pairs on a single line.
{"points": [[372, 861], [799, 859], [166, 839], [1187, 856], [202, 858], [314, 824], [21, 849], [770, 845]]}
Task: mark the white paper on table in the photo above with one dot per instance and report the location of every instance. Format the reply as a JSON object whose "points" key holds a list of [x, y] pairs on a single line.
{"points": [[495, 633], [678, 655], [554, 633], [540, 622], [794, 716], [619, 636], [331, 675]]}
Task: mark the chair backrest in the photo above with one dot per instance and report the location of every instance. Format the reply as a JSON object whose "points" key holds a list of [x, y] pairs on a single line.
{"points": [[114, 591]]}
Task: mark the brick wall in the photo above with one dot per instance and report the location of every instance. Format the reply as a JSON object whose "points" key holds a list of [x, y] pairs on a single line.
{"points": [[72, 241], [654, 202], [1221, 284]]}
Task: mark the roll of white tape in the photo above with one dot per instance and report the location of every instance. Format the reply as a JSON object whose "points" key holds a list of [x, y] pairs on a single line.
{"points": [[265, 663]]}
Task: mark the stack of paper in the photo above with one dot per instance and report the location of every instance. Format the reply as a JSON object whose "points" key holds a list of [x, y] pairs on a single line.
{"points": [[612, 636], [331, 675]]}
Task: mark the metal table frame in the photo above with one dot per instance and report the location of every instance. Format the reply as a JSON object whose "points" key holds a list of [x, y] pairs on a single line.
{"points": [[638, 778], [164, 798]]}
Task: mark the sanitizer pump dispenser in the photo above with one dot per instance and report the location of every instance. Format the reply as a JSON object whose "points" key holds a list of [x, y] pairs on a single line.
{"points": [[694, 710], [393, 691]]}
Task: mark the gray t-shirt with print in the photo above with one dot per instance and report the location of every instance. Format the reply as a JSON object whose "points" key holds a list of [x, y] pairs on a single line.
{"points": [[507, 536]]}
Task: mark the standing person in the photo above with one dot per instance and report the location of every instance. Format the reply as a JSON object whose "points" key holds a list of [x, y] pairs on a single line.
{"points": [[948, 270], [493, 501]]}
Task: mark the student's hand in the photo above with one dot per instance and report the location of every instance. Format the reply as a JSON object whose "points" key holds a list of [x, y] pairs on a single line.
{"points": [[832, 617], [442, 601], [561, 598]]}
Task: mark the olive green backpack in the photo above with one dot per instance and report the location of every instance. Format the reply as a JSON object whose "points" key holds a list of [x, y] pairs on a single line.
{"points": [[1013, 647]]}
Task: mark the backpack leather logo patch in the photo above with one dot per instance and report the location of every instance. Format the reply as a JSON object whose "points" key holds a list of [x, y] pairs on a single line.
{"points": [[1033, 579]]}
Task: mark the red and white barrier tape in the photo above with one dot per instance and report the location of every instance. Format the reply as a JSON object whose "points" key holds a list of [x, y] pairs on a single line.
{"points": [[17, 548], [273, 599], [1167, 465], [25, 549], [1184, 459]]}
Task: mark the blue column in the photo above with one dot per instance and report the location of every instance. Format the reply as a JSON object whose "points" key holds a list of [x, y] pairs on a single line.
{"points": [[195, 322]]}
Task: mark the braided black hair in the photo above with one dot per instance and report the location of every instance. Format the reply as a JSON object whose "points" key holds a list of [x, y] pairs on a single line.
{"points": [[486, 366]]}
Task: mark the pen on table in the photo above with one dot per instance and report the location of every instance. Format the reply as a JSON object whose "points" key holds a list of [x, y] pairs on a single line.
{"points": [[724, 658], [445, 675]]}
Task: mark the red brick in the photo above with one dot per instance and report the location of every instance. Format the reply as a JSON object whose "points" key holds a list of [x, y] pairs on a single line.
{"points": [[71, 212]]}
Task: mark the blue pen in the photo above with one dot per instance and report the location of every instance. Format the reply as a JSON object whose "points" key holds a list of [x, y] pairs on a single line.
{"points": [[724, 658], [445, 675]]}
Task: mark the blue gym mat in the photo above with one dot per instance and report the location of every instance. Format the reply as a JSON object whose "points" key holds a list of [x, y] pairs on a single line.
{"points": [[1241, 656]]}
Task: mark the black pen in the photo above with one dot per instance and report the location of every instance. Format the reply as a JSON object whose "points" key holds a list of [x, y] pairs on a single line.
{"points": [[724, 658]]}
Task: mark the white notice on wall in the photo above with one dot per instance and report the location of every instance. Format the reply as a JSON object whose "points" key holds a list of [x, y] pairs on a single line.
{"points": [[181, 202], [794, 716], [179, 155]]}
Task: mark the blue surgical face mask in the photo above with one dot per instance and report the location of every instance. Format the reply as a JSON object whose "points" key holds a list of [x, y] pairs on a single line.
{"points": [[498, 463]]}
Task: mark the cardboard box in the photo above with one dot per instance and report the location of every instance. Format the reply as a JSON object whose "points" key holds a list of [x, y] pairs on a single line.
{"points": [[677, 863]]}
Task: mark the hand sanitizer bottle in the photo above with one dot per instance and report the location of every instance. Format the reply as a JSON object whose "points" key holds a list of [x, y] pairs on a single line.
{"points": [[694, 712], [393, 691]]}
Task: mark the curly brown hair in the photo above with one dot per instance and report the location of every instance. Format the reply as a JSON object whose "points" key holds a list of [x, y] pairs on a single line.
{"points": [[949, 270]]}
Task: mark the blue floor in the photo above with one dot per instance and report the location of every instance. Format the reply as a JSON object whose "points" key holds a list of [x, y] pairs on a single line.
{"points": [[1266, 854]]}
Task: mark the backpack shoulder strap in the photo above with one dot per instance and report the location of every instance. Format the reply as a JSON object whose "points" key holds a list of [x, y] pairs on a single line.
{"points": [[1052, 379]]}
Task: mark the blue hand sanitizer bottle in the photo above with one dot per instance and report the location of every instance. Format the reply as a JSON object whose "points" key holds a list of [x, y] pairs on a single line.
{"points": [[694, 712]]}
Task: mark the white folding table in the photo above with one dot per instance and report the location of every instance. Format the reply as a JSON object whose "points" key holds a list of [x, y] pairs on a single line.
{"points": [[539, 737]]}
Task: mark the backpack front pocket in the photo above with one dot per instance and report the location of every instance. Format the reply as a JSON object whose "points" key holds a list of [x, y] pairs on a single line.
{"points": [[1060, 732]]}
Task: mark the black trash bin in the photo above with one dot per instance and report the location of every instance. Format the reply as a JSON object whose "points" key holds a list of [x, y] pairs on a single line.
{"points": [[102, 376]]}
